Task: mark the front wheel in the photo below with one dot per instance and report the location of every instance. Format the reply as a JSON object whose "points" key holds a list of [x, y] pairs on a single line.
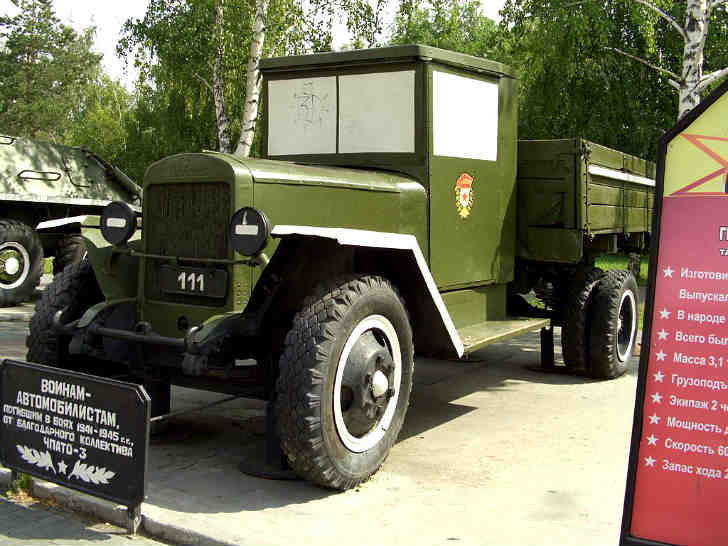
{"points": [[73, 290], [345, 381], [614, 316]]}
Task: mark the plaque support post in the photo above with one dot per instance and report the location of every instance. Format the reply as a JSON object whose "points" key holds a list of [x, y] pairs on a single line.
{"points": [[14, 477], [547, 348], [133, 518]]}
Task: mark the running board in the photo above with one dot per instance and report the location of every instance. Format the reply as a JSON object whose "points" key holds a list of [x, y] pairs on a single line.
{"points": [[479, 335]]}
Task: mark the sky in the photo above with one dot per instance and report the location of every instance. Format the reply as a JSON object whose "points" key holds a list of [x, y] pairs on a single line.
{"points": [[109, 15]]}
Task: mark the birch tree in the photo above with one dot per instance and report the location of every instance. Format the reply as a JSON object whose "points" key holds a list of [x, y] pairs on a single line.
{"points": [[252, 79], [694, 33], [199, 62]]}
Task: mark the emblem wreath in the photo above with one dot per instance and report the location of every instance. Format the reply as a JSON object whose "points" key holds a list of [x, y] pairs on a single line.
{"points": [[464, 195]]}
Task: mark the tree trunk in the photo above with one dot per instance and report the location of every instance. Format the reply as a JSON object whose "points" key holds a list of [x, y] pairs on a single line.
{"points": [[218, 83], [696, 31], [252, 87]]}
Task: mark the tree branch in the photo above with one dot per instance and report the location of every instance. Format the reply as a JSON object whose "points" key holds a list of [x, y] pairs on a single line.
{"points": [[674, 78], [715, 3], [203, 80], [665, 16], [710, 78], [281, 38]]}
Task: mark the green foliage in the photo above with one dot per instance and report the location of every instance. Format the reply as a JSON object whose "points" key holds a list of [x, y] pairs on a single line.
{"points": [[46, 67], [447, 24], [100, 119], [574, 84], [174, 47]]}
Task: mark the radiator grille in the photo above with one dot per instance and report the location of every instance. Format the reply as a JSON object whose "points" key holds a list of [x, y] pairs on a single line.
{"points": [[186, 220]]}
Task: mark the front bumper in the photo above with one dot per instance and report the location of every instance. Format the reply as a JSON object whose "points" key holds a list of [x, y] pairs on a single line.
{"points": [[108, 331]]}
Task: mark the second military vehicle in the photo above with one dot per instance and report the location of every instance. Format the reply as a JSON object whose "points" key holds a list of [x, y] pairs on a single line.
{"points": [[385, 220], [44, 190]]}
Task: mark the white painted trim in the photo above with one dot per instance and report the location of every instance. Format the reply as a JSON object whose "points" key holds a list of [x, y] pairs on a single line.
{"points": [[60, 200], [378, 239], [620, 175], [61, 222]]}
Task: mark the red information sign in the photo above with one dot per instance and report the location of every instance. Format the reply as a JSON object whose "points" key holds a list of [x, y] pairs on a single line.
{"points": [[678, 479]]}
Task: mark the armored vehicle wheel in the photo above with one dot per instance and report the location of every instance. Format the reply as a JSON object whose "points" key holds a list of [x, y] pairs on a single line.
{"points": [[345, 381], [613, 324], [74, 288], [21, 261], [70, 250], [574, 334]]}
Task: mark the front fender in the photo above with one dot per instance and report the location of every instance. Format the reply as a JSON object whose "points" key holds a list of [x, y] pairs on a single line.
{"points": [[116, 271]]}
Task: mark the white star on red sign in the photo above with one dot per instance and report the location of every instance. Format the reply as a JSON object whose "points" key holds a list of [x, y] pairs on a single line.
{"points": [[668, 271], [665, 313], [661, 355], [656, 398], [659, 376], [649, 461], [652, 440], [654, 419], [662, 334]]}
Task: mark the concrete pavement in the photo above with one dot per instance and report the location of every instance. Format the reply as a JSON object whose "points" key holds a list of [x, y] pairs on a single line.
{"points": [[32, 523], [491, 452]]}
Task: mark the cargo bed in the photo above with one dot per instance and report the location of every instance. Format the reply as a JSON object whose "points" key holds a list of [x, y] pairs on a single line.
{"points": [[577, 197]]}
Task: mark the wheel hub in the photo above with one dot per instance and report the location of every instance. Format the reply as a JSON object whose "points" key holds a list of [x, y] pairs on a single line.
{"points": [[364, 397], [14, 265], [380, 384], [626, 325]]}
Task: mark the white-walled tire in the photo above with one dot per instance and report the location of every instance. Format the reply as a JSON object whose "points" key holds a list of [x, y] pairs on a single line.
{"points": [[21, 262], [613, 324], [345, 380]]}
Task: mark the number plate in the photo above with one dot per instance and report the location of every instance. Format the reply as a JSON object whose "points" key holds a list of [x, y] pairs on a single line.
{"points": [[193, 281]]}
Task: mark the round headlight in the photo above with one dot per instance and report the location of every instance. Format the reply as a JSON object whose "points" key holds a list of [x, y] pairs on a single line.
{"points": [[249, 231], [118, 222]]}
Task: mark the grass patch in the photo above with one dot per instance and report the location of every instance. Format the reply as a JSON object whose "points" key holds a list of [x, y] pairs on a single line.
{"points": [[20, 486], [620, 261]]}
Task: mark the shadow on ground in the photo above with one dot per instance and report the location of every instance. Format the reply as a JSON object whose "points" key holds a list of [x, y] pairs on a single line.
{"points": [[193, 466]]}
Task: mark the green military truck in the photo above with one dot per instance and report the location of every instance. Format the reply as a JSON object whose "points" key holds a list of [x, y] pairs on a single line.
{"points": [[384, 220], [45, 189]]}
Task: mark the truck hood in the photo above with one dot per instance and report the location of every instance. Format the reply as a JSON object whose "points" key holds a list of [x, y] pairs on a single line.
{"points": [[284, 172]]}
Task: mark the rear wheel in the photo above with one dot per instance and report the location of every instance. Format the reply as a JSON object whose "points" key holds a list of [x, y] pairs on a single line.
{"points": [[345, 381], [69, 250], [21, 262], [614, 315], [574, 333]]}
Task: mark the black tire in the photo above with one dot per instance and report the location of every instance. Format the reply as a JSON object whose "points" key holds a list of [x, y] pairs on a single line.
{"points": [[21, 262], [574, 333], [340, 327], [613, 324], [75, 289], [70, 250]]}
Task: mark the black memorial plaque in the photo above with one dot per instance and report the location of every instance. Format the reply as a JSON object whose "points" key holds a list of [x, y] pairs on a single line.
{"points": [[81, 431]]}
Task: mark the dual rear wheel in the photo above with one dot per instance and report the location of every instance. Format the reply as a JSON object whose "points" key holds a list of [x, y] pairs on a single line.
{"points": [[600, 324]]}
